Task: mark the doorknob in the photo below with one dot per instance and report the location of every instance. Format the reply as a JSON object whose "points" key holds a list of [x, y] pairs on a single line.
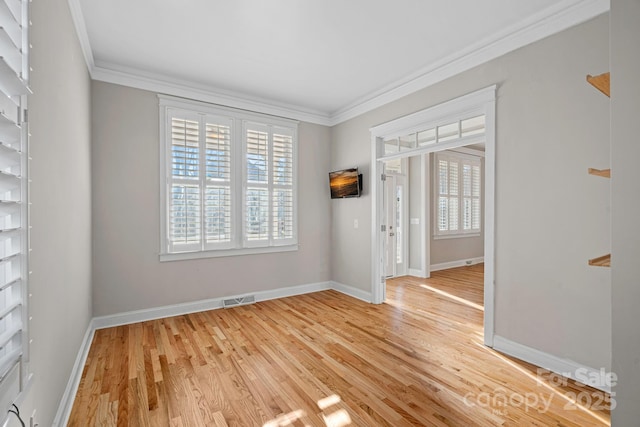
{"points": [[392, 234]]}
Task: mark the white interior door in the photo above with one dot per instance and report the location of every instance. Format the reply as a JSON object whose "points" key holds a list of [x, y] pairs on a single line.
{"points": [[402, 218], [390, 206], [395, 201]]}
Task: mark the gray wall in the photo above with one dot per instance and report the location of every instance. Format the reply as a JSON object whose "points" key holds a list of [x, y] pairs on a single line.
{"points": [[625, 208], [127, 274], [59, 115], [550, 214]]}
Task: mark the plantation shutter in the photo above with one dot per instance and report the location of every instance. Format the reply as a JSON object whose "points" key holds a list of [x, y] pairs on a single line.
{"points": [[269, 200], [14, 239], [229, 181], [459, 191], [217, 207], [200, 182], [257, 165], [282, 199], [185, 194]]}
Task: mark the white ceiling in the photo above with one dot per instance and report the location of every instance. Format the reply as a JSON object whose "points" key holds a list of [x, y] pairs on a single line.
{"points": [[322, 61]]}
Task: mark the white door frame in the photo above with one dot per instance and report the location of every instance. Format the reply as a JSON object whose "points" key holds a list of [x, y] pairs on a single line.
{"points": [[396, 179], [390, 244], [479, 102]]}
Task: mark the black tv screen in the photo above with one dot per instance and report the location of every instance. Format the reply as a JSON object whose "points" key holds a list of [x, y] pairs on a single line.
{"points": [[345, 183]]}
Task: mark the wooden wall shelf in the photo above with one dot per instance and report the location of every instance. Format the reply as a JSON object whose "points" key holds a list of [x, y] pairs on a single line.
{"points": [[601, 82], [601, 261], [605, 173]]}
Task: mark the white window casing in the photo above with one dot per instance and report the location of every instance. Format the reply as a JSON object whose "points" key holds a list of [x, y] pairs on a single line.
{"points": [[229, 181], [457, 195]]}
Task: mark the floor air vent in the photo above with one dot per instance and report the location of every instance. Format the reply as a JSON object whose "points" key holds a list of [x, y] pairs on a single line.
{"points": [[233, 302]]}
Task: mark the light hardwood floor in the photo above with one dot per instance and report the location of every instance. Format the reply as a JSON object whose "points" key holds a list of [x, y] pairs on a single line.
{"points": [[325, 359]]}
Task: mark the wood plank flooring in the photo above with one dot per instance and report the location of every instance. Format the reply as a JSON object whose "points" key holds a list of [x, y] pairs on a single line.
{"points": [[325, 359]]}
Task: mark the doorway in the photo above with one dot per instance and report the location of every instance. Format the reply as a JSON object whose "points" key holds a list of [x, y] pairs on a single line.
{"points": [[467, 120], [396, 212]]}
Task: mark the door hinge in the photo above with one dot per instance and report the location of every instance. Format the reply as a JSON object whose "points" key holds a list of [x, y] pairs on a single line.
{"points": [[382, 278], [383, 177]]}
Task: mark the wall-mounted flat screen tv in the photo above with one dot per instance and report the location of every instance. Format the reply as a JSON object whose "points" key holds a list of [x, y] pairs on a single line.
{"points": [[345, 183]]}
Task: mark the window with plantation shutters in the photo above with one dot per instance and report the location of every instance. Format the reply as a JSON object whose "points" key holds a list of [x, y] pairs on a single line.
{"points": [[269, 208], [200, 182], [14, 201], [230, 181], [457, 194]]}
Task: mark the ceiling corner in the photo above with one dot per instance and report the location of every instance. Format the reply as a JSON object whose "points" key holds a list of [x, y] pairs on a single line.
{"points": [[81, 31], [565, 14]]}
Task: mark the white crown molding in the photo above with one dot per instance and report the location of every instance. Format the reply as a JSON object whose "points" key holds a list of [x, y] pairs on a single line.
{"points": [[171, 86], [81, 30], [552, 20]]}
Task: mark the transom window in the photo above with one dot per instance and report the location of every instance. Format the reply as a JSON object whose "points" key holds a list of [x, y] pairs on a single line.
{"points": [[437, 134], [228, 181]]}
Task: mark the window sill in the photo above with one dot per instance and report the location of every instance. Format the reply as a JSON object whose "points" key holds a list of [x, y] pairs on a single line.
{"points": [[455, 236], [181, 256]]}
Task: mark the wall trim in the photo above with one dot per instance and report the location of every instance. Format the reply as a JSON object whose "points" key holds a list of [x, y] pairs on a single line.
{"points": [[417, 273], [565, 367], [458, 263], [144, 315], [66, 402], [552, 20], [352, 291], [81, 31], [167, 85]]}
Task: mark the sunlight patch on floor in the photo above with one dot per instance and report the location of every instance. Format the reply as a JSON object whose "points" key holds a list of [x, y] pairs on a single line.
{"points": [[286, 419], [453, 297], [328, 401], [337, 418]]}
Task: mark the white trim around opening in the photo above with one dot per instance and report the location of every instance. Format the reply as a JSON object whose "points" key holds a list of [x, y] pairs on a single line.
{"points": [[481, 102]]}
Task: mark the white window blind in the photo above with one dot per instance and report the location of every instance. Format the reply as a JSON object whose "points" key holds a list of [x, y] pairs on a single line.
{"points": [[458, 190], [230, 180], [269, 169], [200, 182], [14, 239]]}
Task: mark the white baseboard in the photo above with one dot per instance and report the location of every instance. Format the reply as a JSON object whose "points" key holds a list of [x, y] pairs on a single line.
{"points": [[417, 273], [596, 378], [352, 292], [66, 402], [202, 305], [458, 263]]}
